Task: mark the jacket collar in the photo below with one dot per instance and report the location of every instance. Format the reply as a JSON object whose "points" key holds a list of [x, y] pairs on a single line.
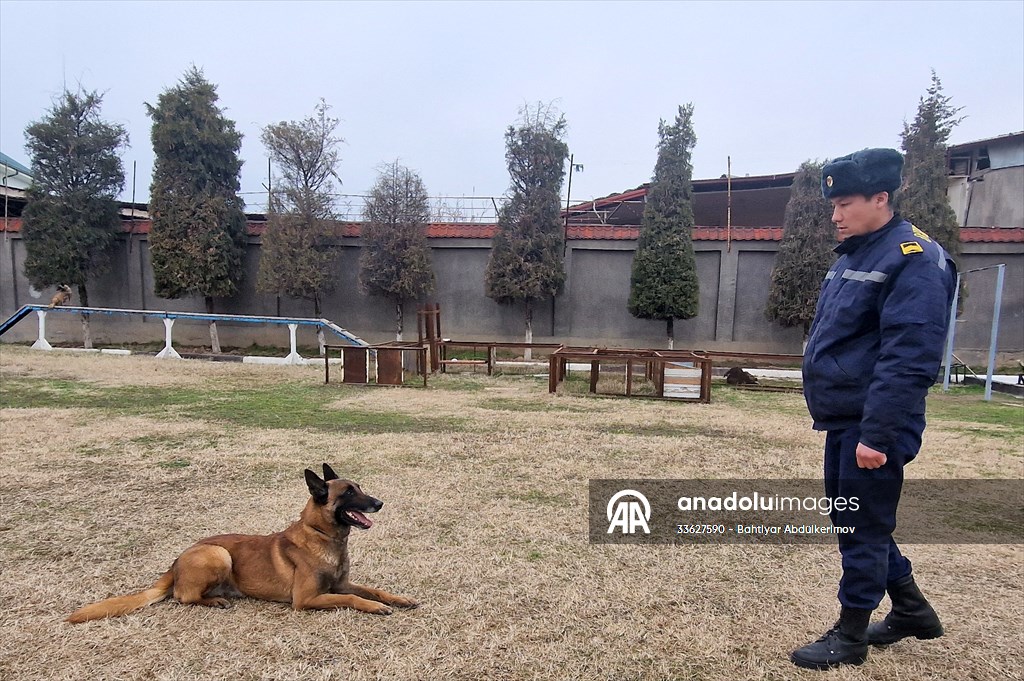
{"points": [[854, 242]]}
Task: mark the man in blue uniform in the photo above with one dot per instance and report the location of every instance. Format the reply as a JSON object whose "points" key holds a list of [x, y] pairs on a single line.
{"points": [[874, 350]]}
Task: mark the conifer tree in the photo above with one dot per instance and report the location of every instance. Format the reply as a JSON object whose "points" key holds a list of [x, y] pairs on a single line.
{"points": [[395, 262], [526, 263], [71, 220], [198, 236], [805, 252], [295, 255], [664, 284], [924, 198]]}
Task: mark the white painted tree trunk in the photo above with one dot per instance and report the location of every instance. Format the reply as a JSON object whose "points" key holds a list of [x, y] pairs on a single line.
{"points": [[527, 352], [214, 339], [86, 333]]}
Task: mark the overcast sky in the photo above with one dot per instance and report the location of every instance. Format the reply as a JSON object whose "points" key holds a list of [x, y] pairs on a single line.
{"points": [[435, 84]]}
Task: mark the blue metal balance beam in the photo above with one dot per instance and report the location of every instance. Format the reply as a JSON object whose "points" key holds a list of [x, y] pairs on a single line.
{"points": [[196, 316]]}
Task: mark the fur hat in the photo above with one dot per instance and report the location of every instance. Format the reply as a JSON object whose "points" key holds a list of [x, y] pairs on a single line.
{"points": [[865, 172]]}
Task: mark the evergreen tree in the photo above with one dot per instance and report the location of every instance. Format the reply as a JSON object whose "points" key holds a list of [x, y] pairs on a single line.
{"points": [[924, 199], [526, 263], [295, 256], [664, 284], [71, 220], [198, 236], [805, 252], [395, 262]]}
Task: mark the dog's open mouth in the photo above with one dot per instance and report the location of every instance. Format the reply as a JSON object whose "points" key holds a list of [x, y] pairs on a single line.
{"points": [[359, 520]]}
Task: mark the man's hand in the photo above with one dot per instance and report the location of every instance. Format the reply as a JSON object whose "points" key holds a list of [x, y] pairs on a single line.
{"points": [[869, 458]]}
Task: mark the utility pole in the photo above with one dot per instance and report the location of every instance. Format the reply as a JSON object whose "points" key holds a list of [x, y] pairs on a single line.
{"points": [[565, 229], [568, 200]]}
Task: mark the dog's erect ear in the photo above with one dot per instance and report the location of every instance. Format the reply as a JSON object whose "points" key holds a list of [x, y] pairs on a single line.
{"points": [[329, 473], [317, 487]]}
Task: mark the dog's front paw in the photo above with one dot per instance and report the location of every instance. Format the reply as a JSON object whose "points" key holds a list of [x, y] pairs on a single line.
{"points": [[404, 602], [378, 609]]}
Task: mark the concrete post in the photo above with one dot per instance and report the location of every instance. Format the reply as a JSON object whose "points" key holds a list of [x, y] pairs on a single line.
{"points": [[293, 357], [728, 273], [168, 352], [41, 342]]}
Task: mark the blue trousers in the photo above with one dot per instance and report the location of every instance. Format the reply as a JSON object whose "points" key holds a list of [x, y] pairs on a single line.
{"points": [[871, 558]]}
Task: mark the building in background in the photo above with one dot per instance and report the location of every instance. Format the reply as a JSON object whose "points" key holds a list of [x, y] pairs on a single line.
{"points": [[986, 181], [15, 178]]}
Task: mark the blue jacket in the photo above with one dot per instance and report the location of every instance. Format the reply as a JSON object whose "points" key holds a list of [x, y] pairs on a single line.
{"points": [[878, 335]]}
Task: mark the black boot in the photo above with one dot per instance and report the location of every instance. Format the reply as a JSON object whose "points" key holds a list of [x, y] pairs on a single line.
{"points": [[845, 643], [911, 615]]}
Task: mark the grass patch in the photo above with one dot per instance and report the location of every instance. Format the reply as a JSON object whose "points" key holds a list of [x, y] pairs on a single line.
{"points": [[653, 430], [458, 382], [171, 442], [285, 405], [966, 404], [487, 529], [35, 393], [535, 497], [174, 463], [790, 404], [986, 521], [508, 404]]}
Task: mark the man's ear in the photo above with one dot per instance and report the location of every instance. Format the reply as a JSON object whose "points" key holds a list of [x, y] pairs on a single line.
{"points": [[329, 473], [317, 487]]}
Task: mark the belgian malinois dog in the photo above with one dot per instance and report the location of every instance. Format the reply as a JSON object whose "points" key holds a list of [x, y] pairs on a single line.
{"points": [[62, 296], [306, 565]]}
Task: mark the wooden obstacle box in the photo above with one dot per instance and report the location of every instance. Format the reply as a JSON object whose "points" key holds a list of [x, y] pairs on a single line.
{"points": [[678, 375], [385, 363]]}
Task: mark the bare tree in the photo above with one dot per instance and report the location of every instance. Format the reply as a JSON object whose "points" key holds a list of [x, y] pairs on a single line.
{"points": [[296, 252]]}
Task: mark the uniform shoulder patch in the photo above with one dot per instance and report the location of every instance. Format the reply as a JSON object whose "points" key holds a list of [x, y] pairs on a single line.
{"points": [[909, 247], [919, 234]]}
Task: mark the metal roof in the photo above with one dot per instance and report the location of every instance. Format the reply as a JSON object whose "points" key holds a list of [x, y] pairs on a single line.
{"points": [[14, 165], [963, 146]]}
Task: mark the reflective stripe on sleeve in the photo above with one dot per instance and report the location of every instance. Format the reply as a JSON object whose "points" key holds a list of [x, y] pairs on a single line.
{"points": [[857, 275]]}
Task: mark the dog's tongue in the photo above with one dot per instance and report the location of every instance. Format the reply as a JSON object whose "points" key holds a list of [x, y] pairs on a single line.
{"points": [[366, 522]]}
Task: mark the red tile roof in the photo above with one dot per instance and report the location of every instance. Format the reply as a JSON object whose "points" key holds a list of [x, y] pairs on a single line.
{"points": [[708, 185], [997, 235], [470, 230], [738, 234], [461, 230]]}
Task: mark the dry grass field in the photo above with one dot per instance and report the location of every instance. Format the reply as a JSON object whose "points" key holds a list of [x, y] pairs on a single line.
{"points": [[113, 465]]}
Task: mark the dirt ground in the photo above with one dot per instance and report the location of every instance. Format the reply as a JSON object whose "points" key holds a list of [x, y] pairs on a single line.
{"points": [[113, 465]]}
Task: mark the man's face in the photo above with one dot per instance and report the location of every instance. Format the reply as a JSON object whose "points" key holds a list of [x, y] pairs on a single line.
{"points": [[859, 215]]}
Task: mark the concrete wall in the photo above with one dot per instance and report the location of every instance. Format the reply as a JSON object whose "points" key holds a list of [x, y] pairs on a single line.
{"points": [[974, 327], [591, 311], [994, 198]]}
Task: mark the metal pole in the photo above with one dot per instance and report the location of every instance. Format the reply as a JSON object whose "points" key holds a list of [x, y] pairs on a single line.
{"points": [[568, 198], [728, 209], [131, 223], [951, 334], [995, 332]]}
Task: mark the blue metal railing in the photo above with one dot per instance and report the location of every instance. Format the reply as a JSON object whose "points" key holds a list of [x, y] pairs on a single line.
{"points": [[195, 316]]}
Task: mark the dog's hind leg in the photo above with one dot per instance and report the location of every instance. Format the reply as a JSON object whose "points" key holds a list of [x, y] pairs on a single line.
{"points": [[200, 570]]}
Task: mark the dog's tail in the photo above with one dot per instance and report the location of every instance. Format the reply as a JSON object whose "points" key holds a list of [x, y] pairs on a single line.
{"points": [[122, 605]]}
